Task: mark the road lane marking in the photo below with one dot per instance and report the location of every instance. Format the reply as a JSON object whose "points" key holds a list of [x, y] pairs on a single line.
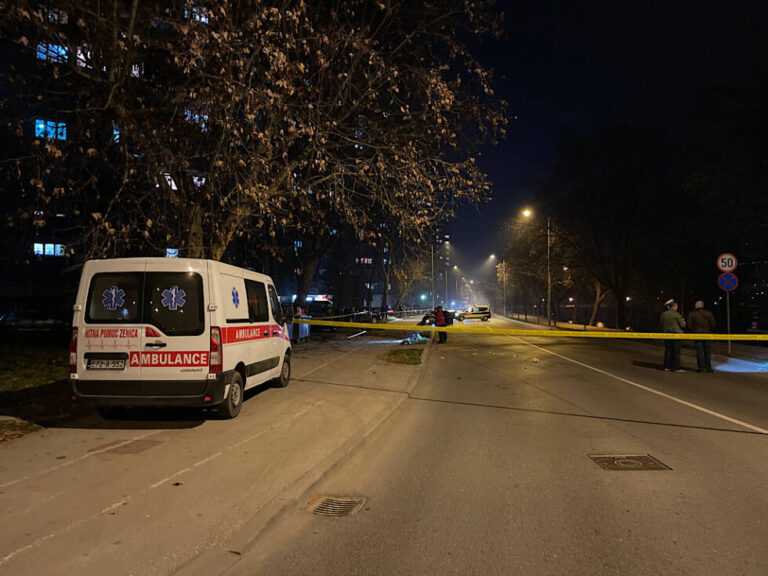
{"points": [[693, 405], [76, 460], [124, 501]]}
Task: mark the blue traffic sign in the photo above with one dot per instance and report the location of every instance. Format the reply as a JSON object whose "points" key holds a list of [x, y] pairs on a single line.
{"points": [[728, 281]]}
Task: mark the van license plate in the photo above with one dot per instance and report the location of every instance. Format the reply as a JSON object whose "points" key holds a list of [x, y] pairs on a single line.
{"points": [[105, 364]]}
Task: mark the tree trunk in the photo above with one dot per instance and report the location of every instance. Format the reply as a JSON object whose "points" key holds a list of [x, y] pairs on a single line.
{"points": [[308, 270], [194, 247], [600, 295]]}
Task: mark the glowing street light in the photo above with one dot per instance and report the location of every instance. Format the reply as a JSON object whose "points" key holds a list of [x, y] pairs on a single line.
{"points": [[527, 213]]}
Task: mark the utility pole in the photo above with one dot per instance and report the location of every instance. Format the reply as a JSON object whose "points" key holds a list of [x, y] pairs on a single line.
{"points": [[432, 257], [504, 284]]}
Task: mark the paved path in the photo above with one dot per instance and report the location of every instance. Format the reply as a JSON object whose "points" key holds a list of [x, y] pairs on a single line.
{"points": [[171, 491]]}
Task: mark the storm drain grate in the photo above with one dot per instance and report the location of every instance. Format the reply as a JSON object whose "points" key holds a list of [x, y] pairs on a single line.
{"points": [[627, 462], [335, 506]]}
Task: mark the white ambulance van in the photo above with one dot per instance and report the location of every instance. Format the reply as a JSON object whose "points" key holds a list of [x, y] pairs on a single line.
{"points": [[175, 331]]}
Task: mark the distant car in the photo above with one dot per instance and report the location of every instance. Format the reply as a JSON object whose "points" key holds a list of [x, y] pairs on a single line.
{"points": [[474, 313]]}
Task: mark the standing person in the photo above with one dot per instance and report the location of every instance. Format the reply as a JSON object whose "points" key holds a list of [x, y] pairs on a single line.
{"points": [[672, 322], [441, 319], [702, 321]]}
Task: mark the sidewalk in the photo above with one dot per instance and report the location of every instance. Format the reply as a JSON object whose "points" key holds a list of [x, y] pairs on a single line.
{"points": [[184, 493]]}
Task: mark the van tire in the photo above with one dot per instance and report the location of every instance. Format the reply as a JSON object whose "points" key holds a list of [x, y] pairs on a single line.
{"points": [[285, 373], [232, 404]]}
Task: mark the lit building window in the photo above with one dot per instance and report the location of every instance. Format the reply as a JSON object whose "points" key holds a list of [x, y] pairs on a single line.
{"points": [[199, 119], [48, 52], [364, 260], [170, 181], [40, 249], [115, 133], [83, 57], [298, 244], [137, 70], [196, 13], [198, 181], [56, 16], [50, 129]]}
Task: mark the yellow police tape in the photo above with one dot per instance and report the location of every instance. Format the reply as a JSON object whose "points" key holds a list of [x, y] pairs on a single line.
{"points": [[541, 333]]}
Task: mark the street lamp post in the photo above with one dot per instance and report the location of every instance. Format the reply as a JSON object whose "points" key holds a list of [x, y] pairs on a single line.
{"points": [[549, 273], [432, 259], [456, 277], [527, 213], [503, 268], [504, 284]]}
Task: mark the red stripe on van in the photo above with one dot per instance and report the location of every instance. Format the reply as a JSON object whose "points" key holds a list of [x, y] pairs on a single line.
{"points": [[233, 334]]}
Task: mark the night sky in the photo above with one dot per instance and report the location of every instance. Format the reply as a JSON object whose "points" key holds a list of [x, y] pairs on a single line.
{"points": [[573, 67]]}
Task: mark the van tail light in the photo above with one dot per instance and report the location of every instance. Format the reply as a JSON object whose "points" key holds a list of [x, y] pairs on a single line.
{"points": [[73, 352], [216, 357]]}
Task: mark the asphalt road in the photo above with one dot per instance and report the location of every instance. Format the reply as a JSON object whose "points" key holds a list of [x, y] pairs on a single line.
{"points": [[476, 462], [485, 469]]}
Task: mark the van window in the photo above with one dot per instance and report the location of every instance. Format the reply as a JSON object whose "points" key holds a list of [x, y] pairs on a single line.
{"points": [[257, 301], [277, 311], [173, 302], [114, 298]]}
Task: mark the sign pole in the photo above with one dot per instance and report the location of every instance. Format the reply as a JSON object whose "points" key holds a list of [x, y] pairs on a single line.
{"points": [[728, 318]]}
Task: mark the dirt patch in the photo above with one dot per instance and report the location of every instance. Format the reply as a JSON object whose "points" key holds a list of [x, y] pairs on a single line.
{"points": [[44, 404], [12, 428], [29, 367], [411, 356]]}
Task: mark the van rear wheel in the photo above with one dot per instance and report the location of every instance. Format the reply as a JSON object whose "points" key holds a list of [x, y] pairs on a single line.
{"points": [[285, 373], [232, 404]]}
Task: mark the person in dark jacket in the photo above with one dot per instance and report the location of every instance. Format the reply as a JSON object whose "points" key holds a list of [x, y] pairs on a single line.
{"points": [[702, 321], [672, 322], [441, 319]]}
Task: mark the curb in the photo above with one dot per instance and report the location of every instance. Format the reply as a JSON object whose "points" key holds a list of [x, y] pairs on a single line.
{"points": [[219, 561]]}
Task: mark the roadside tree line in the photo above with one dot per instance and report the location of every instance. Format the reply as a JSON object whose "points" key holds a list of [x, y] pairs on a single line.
{"points": [[207, 125]]}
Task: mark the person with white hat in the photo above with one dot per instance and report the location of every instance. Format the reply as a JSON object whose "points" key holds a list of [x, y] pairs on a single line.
{"points": [[672, 322], [702, 321]]}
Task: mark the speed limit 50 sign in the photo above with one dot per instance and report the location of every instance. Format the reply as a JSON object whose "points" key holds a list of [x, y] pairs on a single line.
{"points": [[727, 262]]}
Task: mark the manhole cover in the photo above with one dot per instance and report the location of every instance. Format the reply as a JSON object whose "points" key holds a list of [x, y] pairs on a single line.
{"points": [[335, 506], [626, 462]]}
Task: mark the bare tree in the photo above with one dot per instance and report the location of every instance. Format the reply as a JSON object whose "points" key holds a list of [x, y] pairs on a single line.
{"points": [[199, 124]]}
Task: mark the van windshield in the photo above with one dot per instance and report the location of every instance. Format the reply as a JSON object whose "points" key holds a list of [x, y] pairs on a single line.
{"points": [[171, 301]]}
